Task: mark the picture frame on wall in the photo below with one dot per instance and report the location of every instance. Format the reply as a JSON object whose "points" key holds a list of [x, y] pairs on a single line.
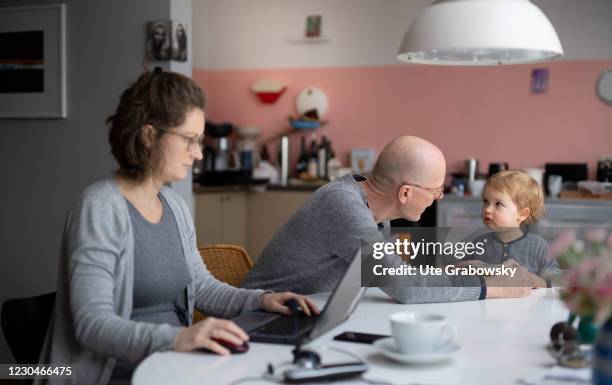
{"points": [[159, 40], [362, 160], [33, 61], [166, 40], [179, 41]]}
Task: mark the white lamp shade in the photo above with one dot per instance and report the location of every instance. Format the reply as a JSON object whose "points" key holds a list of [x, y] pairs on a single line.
{"points": [[480, 32]]}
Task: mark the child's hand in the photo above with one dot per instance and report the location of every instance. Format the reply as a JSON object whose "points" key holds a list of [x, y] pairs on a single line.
{"points": [[474, 262], [530, 279]]}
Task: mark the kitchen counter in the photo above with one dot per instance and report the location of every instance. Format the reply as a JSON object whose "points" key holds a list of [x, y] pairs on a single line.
{"points": [[547, 200], [455, 211], [302, 187], [244, 214]]}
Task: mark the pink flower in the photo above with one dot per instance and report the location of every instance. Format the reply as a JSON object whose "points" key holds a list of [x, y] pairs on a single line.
{"points": [[561, 244], [596, 235]]}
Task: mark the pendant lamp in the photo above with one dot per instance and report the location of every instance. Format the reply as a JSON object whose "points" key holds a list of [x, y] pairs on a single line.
{"points": [[480, 32]]}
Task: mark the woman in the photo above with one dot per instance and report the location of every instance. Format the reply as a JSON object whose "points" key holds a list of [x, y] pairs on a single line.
{"points": [[130, 273]]}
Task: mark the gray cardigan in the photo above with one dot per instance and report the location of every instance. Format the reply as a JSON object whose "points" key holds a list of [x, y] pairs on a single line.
{"points": [[91, 325]]}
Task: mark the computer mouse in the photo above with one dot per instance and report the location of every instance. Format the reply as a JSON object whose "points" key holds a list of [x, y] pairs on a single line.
{"points": [[294, 305], [233, 348]]}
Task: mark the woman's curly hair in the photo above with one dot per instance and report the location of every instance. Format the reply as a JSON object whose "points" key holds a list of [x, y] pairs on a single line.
{"points": [[159, 98]]}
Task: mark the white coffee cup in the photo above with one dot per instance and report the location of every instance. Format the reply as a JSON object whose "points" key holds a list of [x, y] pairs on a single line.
{"points": [[421, 332], [476, 187], [555, 185]]}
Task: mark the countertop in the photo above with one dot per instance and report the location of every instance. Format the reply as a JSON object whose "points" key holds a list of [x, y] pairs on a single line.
{"points": [[298, 187], [547, 200]]}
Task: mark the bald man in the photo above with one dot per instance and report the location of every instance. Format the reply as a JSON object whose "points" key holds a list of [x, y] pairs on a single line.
{"points": [[313, 249]]}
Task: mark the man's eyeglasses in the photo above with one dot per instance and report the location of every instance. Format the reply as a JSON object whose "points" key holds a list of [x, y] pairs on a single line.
{"points": [[192, 141], [437, 192]]}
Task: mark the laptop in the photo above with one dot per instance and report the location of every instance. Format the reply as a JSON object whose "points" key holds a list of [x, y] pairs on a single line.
{"points": [[299, 329]]}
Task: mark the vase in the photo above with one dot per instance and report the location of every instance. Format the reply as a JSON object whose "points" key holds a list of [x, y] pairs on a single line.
{"points": [[602, 355], [587, 330]]}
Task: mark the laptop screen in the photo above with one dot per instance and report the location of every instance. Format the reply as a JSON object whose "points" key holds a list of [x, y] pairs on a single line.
{"points": [[343, 299]]}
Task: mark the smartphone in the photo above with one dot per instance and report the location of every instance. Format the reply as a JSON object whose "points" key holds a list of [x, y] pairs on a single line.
{"points": [[364, 338]]}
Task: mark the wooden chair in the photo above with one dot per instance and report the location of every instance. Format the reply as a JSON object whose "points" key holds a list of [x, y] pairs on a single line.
{"points": [[227, 263]]}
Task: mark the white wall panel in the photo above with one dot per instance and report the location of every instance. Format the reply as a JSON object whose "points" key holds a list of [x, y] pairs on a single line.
{"points": [[240, 34]]}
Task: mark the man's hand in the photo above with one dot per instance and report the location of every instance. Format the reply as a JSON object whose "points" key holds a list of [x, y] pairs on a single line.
{"points": [[275, 302]]}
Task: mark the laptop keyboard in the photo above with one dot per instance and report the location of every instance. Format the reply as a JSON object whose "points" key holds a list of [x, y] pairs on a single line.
{"points": [[291, 325]]}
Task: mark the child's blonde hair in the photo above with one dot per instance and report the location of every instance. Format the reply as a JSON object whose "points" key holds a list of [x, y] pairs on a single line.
{"points": [[523, 189]]}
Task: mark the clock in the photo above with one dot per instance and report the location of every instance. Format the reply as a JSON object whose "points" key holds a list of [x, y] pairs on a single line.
{"points": [[604, 86]]}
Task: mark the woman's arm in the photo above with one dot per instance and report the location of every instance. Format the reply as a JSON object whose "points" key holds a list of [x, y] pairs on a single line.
{"points": [[95, 242], [212, 296]]}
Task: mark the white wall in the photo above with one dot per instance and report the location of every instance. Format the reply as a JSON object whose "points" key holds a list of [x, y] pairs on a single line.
{"points": [[238, 34], [180, 11]]}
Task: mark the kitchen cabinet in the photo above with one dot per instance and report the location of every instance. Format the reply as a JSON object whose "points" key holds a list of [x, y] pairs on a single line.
{"points": [[577, 213], [221, 217], [267, 213], [246, 218]]}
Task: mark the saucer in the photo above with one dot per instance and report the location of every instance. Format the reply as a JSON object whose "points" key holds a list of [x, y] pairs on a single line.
{"points": [[387, 347]]}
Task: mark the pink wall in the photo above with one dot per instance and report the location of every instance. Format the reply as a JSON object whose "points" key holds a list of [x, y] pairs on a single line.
{"points": [[486, 112]]}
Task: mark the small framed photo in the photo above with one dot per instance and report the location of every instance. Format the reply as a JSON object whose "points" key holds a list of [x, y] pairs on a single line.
{"points": [[159, 44], [313, 25], [539, 80], [179, 41], [362, 160]]}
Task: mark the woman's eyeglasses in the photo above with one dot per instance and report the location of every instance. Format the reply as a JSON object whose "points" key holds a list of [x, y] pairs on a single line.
{"points": [[437, 192], [192, 141]]}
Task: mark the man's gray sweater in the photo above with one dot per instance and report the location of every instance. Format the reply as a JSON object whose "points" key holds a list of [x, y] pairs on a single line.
{"points": [[314, 248]]}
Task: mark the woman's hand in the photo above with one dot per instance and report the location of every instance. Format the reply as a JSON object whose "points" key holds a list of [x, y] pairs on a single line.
{"points": [[199, 335], [275, 302]]}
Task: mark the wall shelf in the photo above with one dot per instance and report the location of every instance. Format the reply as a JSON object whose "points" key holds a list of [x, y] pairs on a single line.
{"points": [[309, 40]]}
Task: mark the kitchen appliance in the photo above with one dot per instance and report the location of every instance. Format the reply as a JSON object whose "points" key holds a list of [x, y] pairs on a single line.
{"points": [[604, 169], [494, 168], [221, 164], [571, 173], [216, 150]]}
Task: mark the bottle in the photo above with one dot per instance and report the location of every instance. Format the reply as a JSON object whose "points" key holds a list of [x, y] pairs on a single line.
{"points": [[221, 160], [302, 163], [313, 165], [333, 164], [284, 160], [322, 158]]}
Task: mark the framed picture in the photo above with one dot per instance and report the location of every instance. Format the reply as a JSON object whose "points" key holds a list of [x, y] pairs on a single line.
{"points": [[166, 40], [539, 80], [362, 160], [159, 44], [179, 41], [313, 25], [33, 62]]}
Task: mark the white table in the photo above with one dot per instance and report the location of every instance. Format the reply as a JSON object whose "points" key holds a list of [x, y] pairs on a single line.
{"points": [[501, 341]]}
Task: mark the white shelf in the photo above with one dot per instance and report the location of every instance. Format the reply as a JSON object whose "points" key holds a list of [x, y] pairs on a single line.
{"points": [[309, 40]]}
